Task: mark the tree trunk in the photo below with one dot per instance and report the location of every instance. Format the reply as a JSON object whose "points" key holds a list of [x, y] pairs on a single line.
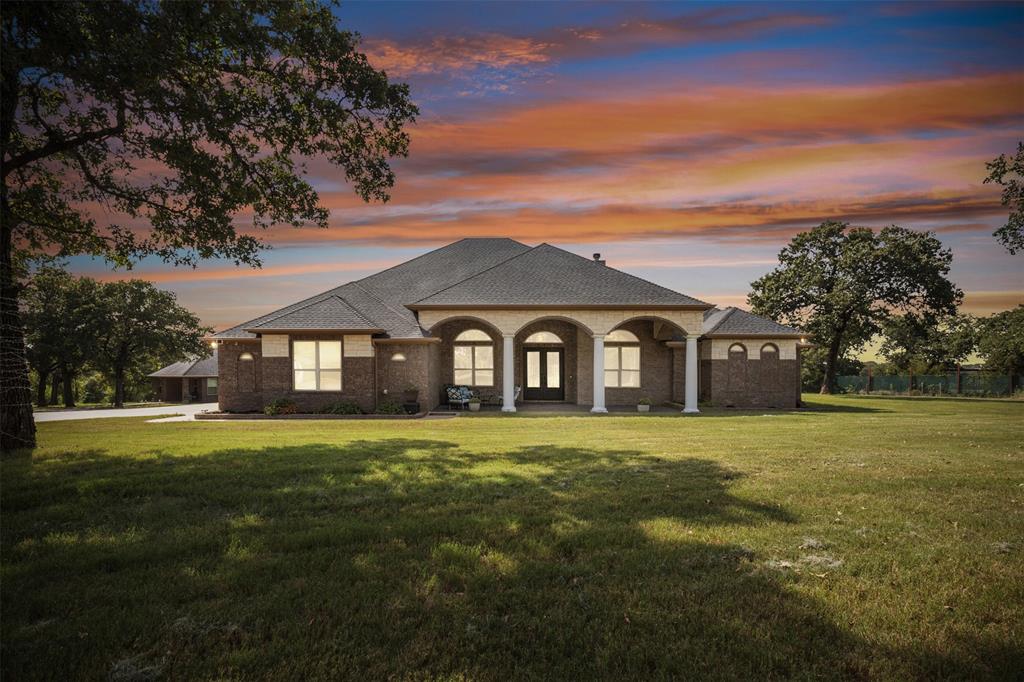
{"points": [[41, 386], [54, 387], [68, 377], [119, 386], [829, 379], [19, 428]]}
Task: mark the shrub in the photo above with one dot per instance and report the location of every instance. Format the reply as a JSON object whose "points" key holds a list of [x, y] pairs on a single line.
{"points": [[280, 406], [644, 401], [389, 407], [341, 407], [474, 401]]}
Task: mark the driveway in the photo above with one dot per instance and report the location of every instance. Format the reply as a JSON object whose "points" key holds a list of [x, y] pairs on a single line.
{"points": [[186, 410]]}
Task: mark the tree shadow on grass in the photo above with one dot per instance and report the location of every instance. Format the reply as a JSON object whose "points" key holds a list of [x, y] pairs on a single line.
{"points": [[406, 558]]}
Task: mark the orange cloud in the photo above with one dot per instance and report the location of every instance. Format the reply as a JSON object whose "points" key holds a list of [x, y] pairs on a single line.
{"points": [[985, 303], [205, 274]]}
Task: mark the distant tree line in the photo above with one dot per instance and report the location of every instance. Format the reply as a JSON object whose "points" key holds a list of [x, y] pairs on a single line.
{"points": [[845, 286], [101, 339]]}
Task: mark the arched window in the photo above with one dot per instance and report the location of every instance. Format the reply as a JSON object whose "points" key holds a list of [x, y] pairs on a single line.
{"points": [[769, 366], [543, 337], [473, 335], [737, 367], [621, 336], [473, 359], [621, 360]]}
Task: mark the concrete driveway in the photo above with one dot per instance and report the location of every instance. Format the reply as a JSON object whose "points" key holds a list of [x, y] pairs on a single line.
{"points": [[187, 412]]}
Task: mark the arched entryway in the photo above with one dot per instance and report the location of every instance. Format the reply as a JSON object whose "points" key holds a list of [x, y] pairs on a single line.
{"points": [[543, 366]]}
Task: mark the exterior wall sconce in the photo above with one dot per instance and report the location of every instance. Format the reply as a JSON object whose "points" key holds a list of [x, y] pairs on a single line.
{"points": [[398, 357]]}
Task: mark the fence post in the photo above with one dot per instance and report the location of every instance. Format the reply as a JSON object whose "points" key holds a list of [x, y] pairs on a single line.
{"points": [[910, 381], [958, 385], [871, 381]]}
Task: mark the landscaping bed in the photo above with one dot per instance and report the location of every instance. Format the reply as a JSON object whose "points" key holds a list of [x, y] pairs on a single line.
{"points": [[218, 416]]}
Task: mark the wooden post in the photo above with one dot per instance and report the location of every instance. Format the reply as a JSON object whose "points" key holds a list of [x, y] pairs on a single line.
{"points": [[871, 381], [958, 385]]}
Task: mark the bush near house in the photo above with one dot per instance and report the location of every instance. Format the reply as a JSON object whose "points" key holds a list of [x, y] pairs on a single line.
{"points": [[280, 406]]}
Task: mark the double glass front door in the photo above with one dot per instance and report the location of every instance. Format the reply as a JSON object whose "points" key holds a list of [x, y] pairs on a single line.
{"points": [[545, 374]]}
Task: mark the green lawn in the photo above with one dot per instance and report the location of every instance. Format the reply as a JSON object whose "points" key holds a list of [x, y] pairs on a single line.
{"points": [[866, 538]]}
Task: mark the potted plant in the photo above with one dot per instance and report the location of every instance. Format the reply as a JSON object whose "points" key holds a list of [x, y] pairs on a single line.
{"points": [[643, 405], [474, 404]]}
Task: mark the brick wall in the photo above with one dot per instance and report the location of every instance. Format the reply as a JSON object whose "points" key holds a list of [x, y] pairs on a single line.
{"points": [[418, 370]]}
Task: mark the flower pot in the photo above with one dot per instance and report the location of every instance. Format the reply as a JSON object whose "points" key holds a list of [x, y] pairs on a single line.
{"points": [[410, 396], [643, 408], [474, 407]]}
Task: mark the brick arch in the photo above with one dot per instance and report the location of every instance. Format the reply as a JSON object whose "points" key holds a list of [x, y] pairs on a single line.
{"points": [[488, 326], [654, 318], [559, 318]]}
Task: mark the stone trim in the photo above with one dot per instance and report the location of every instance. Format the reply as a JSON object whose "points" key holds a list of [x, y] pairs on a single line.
{"points": [[276, 346]]}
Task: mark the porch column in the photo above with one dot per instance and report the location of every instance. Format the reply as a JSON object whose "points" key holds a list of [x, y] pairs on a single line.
{"points": [[690, 406], [598, 374], [508, 379], [185, 393]]}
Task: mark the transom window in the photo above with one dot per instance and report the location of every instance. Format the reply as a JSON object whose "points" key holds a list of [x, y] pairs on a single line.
{"points": [[473, 359], [317, 365], [622, 360], [543, 337]]}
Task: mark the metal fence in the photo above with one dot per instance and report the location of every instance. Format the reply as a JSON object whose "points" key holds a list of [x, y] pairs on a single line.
{"points": [[965, 383]]}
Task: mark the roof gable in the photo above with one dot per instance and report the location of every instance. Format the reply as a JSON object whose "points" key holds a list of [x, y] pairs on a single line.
{"points": [[201, 367], [328, 313], [547, 275]]}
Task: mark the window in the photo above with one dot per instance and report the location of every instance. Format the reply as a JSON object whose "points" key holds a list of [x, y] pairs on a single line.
{"points": [[316, 365], [543, 337], [737, 376], [211, 386], [769, 367], [621, 336], [621, 360], [473, 362]]}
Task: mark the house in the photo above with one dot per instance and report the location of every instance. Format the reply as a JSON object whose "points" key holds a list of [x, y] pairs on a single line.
{"points": [[188, 381], [508, 320]]}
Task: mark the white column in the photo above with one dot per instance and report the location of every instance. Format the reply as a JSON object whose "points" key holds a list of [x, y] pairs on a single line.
{"points": [[598, 374], [690, 406], [508, 379]]}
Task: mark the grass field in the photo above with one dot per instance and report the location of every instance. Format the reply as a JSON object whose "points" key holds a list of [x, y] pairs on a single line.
{"points": [[864, 538]]}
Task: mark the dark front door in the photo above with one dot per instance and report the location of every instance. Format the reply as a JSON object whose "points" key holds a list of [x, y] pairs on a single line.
{"points": [[544, 370]]}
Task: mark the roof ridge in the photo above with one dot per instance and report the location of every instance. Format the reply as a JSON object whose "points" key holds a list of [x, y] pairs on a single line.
{"points": [[729, 310], [424, 255], [628, 274], [379, 299], [477, 274], [274, 314]]}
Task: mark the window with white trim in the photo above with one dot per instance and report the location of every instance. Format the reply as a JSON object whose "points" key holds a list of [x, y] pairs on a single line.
{"points": [[316, 365], [621, 360], [473, 359]]}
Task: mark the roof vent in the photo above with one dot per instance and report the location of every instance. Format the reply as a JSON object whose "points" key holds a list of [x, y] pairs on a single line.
{"points": [[597, 259]]}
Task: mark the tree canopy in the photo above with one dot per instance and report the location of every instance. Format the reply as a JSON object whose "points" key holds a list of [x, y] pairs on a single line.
{"points": [[143, 326], [1001, 341], [1008, 171], [840, 283], [924, 343], [175, 118]]}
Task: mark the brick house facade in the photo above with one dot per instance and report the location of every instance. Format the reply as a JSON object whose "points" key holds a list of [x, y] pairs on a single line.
{"points": [[517, 324]]}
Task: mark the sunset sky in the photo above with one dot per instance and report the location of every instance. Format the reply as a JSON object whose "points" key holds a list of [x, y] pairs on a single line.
{"points": [[685, 142]]}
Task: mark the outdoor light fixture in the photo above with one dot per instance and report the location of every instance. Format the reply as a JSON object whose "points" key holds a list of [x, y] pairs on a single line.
{"points": [[398, 357]]}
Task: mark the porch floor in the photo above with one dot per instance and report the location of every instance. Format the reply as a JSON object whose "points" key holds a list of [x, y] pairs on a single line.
{"points": [[564, 408]]}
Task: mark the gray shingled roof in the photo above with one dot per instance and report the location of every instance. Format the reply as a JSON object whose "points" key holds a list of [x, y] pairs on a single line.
{"points": [[543, 275], [381, 298], [203, 367], [548, 275], [735, 322], [332, 313]]}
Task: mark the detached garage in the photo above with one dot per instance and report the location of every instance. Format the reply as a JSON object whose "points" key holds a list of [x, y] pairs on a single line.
{"points": [[189, 381]]}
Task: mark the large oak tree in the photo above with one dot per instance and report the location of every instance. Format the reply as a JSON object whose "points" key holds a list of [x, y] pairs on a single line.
{"points": [[174, 118], [839, 284], [1008, 172]]}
